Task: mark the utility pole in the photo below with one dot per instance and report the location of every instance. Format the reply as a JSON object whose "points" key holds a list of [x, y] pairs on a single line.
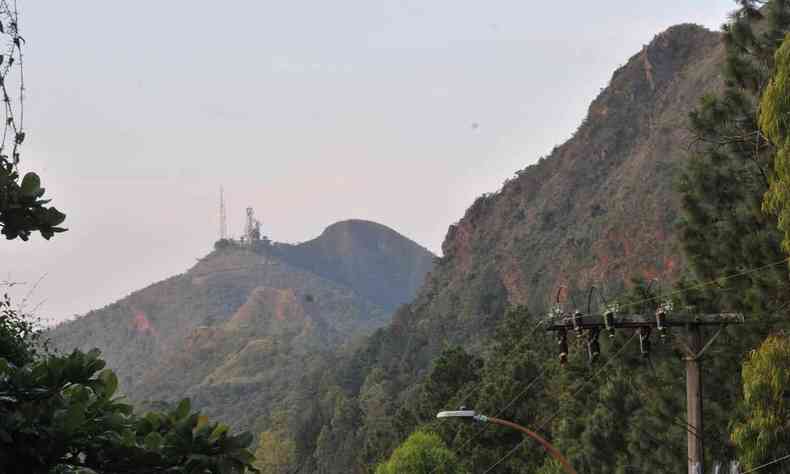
{"points": [[694, 399], [591, 326]]}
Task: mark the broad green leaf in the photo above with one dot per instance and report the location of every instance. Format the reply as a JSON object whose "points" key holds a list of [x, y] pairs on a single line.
{"points": [[153, 441], [153, 420], [182, 411], [218, 432], [54, 217], [75, 416], [110, 382], [31, 183]]}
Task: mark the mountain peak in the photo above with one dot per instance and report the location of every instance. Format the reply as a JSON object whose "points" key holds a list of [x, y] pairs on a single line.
{"points": [[348, 236], [600, 208], [369, 257]]}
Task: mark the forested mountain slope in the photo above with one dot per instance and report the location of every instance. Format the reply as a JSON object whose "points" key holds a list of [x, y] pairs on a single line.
{"points": [[599, 210], [237, 331]]}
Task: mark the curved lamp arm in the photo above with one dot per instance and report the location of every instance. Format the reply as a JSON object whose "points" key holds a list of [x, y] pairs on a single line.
{"points": [[546, 445], [473, 415]]}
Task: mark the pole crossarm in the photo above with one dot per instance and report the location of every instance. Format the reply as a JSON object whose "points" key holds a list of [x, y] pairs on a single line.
{"points": [[590, 327], [635, 321]]}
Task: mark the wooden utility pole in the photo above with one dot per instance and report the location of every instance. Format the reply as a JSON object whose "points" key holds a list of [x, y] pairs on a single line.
{"points": [[591, 326], [694, 399]]}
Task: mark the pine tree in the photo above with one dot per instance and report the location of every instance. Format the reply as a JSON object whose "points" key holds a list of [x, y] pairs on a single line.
{"points": [[763, 433], [724, 230], [775, 123]]}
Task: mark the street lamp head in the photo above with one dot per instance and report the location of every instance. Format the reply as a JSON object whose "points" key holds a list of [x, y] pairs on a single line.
{"points": [[457, 414]]}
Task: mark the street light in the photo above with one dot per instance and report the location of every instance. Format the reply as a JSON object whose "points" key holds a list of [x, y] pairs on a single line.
{"points": [[473, 415]]}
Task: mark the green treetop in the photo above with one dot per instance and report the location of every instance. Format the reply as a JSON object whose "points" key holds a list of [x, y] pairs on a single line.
{"points": [[763, 433], [775, 123], [724, 229], [422, 453]]}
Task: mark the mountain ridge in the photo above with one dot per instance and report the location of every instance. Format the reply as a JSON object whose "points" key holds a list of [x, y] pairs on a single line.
{"points": [[599, 210], [203, 330]]}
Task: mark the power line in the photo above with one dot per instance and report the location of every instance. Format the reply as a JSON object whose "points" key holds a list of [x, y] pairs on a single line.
{"points": [[523, 341], [709, 282], [518, 396], [676, 292], [471, 391], [552, 417], [767, 464], [700, 285], [498, 413], [589, 379], [549, 318], [675, 420], [639, 302]]}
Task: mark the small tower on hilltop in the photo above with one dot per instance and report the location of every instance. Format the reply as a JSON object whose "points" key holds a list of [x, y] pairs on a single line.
{"points": [[223, 218], [252, 230]]}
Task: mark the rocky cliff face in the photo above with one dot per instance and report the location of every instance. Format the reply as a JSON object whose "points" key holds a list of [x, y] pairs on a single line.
{"points": [[600, 208], [245, 321]]}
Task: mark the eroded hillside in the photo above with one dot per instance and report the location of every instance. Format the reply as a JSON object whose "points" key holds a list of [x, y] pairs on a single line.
{"points": [[237, 330]]}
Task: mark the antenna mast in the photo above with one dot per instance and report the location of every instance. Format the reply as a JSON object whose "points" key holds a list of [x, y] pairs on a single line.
{"points": [[223, 221], [252, 230]]}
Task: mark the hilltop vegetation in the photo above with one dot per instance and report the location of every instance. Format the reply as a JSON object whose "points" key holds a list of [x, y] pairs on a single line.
{"points": [[241, 331]]}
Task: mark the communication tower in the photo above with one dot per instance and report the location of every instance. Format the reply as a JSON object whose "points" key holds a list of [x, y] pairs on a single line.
{"points": [[223, 218], [252, 231]]}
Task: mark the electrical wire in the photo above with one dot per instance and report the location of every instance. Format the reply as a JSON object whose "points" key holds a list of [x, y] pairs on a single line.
{"points": [[576, 392], [522, 393], [635, 303], [531, 333], [675, 420], [498, 413], [708, 283], [640, 302], [767, 464], [549, 318]]}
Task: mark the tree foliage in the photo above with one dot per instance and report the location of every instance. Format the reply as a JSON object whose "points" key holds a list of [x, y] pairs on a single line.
{"points": [[275, 453], [20, 337], [763, 432], [775, 123], [724, 229], [422, 453], [62, 413], [23, 209]]}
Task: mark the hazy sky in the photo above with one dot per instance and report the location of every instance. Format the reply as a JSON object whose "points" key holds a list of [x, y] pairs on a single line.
{"points": [[401, 112]]}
